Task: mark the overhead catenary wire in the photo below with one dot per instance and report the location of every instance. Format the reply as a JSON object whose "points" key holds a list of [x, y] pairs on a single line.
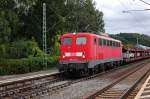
{"points": [[128, 11], [138, 21], [126, 8], [145, 2]]}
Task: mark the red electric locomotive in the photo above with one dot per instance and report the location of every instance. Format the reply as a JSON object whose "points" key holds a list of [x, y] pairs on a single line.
{"points": [[85, 53]]}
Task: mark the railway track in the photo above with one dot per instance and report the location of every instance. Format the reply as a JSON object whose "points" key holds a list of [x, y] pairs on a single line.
{"points": [[53, 88], [14, 86], [37, 85], [50, 89], [135, 90], [121, 87], [40, 85]]}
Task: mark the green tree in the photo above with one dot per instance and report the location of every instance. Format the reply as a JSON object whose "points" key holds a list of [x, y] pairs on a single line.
{"points": [[63, 16], [5, 30], [9, 20], [84, 17]]}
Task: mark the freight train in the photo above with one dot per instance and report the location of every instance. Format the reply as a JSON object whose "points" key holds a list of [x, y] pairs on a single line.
{"points": [[85, 53]]}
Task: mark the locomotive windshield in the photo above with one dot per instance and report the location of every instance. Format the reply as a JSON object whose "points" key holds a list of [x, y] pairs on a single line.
{"points": [[67, 41], [81, 40]]}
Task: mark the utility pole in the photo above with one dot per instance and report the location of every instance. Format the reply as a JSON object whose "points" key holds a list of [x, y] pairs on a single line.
{"points": [[44, 36]]}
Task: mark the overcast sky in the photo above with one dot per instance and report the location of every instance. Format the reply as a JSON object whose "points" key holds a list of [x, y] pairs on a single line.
{"points": [[116, 21]]}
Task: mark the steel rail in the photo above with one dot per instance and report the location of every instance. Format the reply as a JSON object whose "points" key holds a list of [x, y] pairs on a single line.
{"points": [[125, 95], [18, 87], [93, 95], [14, 86], [50, 90]]}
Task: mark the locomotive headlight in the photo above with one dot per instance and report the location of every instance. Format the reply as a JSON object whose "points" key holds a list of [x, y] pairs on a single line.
{"points": [[83, 56], [63, 56]]}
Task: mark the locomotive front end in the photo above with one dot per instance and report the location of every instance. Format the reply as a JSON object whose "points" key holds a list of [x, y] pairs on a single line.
{"points": [[73, 53]]}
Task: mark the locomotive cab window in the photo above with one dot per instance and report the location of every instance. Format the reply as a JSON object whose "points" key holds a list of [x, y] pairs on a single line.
{"points": [[67, 41], [81, 40]]}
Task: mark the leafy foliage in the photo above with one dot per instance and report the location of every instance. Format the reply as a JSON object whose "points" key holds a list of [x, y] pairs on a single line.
{"points": [[22, 19], [20, 49], [62, 16], [25, 65], [9, 24], [5, 30]]}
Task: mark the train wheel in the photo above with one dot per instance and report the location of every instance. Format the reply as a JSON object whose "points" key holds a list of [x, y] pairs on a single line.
{"points": [[107, 66], [102, 66], [118, 63], [111, 65], [91, 71], [84, 72], [96, 69]]}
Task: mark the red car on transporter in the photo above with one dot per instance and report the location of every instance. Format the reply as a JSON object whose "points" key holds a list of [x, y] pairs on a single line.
{"points": [[86, 53]]}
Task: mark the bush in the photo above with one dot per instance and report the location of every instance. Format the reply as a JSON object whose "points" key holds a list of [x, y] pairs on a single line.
{"points": [[3, 52], [53, 60], [20, 49], [25, 65], [26, 49]]}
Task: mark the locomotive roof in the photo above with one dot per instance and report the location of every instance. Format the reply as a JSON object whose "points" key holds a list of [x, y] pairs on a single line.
{"points": [[86, 33]]}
